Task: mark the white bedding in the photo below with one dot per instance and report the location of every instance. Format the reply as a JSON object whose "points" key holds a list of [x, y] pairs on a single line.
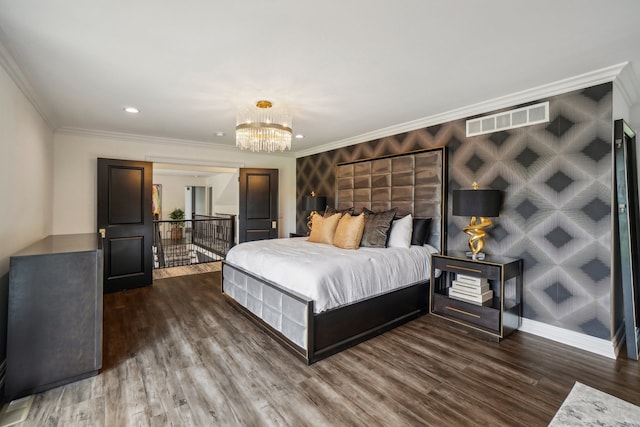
{"points": [[329, 275]]}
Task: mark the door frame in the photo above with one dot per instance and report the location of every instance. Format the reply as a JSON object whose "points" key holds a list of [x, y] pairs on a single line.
{"points": [[627, 207]]}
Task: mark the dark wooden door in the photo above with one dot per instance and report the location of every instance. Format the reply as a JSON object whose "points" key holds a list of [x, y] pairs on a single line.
{"points": [[125, 218], [258, 219]]}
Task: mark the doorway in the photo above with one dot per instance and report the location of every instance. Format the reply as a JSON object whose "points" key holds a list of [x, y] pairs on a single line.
{"points": [[207, 197], [195, 200], [216, 189]]}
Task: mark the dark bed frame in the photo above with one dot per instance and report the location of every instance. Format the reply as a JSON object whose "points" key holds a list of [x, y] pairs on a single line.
{"points": [[334, 330]]}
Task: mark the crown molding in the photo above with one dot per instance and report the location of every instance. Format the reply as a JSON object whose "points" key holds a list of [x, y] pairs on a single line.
{"points": [[581, 81], [130, 137], [627, 85], [8, 62]]}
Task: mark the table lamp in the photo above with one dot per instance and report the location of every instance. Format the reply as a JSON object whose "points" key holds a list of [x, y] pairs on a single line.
{"points": [[313, 204], [479, 205]]}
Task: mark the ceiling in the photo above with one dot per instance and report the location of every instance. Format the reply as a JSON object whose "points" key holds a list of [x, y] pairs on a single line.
{"points": [[342, 68]]}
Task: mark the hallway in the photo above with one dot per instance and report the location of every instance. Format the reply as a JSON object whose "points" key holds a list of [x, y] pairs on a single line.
{"points": [[164, 273]]}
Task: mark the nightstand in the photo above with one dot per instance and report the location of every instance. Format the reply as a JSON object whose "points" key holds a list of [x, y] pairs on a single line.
{"points": [[500, 314], [297, 235]]}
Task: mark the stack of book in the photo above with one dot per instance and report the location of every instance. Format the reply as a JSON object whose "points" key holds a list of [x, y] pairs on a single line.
{"points": [[474, 290]]}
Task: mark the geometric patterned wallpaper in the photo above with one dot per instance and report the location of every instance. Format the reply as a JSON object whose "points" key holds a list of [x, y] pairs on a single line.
{"points": [[556, 178]]}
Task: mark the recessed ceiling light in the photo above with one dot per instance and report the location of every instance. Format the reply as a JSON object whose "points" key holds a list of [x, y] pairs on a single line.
{"points": [[132, 110], [299, 136], [219, 133]]}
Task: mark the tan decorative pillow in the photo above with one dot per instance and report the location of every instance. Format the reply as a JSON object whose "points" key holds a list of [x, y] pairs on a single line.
{"points": [[349, 232], [323, 229]]}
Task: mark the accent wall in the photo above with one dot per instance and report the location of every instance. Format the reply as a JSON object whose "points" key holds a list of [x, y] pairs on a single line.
{"points": [[557, 184]]}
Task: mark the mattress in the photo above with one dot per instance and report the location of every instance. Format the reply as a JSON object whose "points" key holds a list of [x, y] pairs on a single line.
{"points": [[332, 276]]}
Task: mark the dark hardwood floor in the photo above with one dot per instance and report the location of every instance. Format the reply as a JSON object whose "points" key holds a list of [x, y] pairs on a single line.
{"points": [[177, 354]]}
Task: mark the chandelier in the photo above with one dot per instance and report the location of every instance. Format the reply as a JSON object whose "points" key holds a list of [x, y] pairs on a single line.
{"points": [[263, 129]]}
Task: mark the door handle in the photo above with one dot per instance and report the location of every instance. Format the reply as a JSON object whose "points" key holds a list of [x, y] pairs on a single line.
{"points": [[274, 224], [103, 232]]}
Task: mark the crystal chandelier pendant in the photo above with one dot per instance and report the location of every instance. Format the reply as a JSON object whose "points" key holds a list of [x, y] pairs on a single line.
{"points": [[263, 129]]}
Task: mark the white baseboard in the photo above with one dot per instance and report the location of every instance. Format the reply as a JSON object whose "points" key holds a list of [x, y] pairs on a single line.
{"points": [[574, 339], [618, 339]]}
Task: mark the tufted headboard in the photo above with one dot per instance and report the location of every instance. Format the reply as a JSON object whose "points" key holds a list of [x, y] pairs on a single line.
{"points": [[414, 182]]}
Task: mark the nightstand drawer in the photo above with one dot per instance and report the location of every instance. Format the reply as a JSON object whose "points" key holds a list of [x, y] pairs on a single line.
{"points": [[468, 267], [477, 315]]}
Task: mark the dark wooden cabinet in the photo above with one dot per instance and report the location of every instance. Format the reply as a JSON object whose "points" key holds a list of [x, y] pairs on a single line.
{"points": [[499, 316], [54, 333]]}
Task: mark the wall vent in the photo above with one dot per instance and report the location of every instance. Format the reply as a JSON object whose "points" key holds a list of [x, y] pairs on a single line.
{"points": [[525, 116]]}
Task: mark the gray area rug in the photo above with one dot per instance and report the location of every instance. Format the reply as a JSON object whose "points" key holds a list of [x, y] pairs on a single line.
{"points": [[586, 406]]}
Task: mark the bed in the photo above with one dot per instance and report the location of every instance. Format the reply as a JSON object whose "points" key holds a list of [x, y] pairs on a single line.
{"points": [[270, 281]]}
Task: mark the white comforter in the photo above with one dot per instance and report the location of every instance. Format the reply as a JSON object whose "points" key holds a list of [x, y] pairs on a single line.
{"points": [[329, 275]]}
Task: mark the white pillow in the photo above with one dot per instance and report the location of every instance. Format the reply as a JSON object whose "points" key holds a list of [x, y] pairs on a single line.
{"points": [[400, 236]]}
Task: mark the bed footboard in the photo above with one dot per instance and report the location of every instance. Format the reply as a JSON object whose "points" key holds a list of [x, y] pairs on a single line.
{"points": [[287, 315]]}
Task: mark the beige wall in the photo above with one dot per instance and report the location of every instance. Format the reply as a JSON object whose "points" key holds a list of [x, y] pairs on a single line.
{"points": [[26, 172], [75, 173], [173, 190]]}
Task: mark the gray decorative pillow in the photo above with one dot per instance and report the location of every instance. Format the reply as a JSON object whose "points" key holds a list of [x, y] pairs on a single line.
{"points": [[420, 233], [377, 227]]}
